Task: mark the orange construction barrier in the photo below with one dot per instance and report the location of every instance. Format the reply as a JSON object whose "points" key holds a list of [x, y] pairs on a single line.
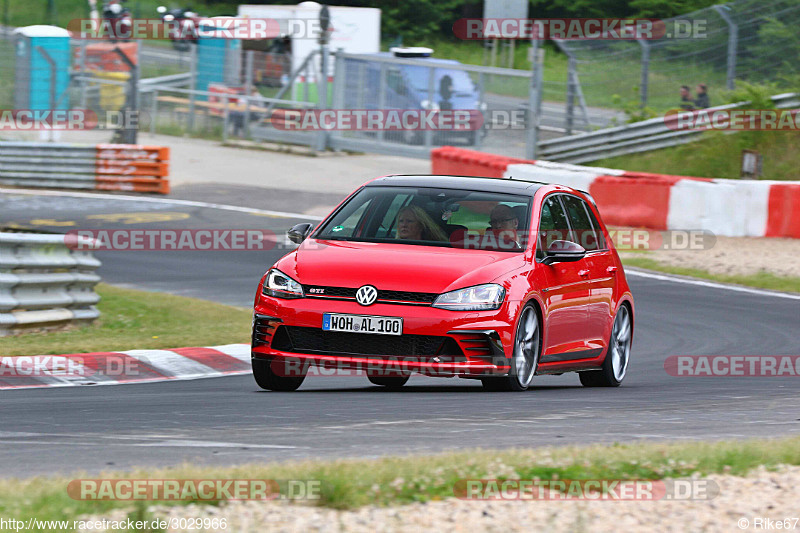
{"points": [[132, 167]]}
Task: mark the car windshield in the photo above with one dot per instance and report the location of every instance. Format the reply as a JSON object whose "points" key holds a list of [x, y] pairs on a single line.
{"points": [[461, 83], [433, 217]]}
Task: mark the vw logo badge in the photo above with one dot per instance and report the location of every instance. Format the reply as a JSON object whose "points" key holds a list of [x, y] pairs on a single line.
{"points": [[367, 295]]}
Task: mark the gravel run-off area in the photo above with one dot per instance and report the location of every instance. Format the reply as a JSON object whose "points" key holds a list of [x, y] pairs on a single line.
{"points": [[762, 494], [735, 256]]}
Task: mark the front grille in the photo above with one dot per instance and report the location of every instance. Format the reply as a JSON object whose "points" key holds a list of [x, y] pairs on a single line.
{"points": [[405, 296], [347, 293], [296, 339]]}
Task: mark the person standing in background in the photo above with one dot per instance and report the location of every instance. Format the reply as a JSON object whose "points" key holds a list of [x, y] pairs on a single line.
{"points": [[702, 101], [686, 98]]}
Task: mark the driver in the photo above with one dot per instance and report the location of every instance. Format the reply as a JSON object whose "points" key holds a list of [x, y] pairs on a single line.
{"points": [[413, 223]]}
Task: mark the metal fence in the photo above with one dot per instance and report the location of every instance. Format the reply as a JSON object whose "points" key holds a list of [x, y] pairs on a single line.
{"points": [[221, 115], [749, 40], [642, 136], [43, 283], [368, 82]]}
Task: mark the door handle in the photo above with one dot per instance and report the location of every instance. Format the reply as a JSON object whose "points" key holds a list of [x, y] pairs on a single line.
{"points": [[611, 269], [583, 273]]}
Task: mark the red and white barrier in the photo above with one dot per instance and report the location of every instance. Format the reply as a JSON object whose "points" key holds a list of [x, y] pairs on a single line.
{"points": [[734, 208]]}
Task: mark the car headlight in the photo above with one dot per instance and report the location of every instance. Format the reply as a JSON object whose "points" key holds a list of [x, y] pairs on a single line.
{"points": [[478, 298], [280, 285]]}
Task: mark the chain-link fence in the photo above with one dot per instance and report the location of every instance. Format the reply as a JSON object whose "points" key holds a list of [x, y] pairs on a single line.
{"points": [[750, 40], [493, 102]]}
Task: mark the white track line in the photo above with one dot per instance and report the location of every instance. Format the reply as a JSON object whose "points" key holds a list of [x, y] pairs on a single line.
{"points": [[711, 284], [190, 203]]}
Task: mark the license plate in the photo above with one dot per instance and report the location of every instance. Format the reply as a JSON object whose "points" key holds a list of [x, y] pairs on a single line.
{"points": [[377, 325]]}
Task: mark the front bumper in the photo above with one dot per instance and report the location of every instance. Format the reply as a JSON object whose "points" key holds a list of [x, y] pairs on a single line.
{"points": [[434, 342]]}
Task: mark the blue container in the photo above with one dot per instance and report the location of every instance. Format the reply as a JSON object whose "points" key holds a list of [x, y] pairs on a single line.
{"points": [[218, 61], [34, 76]]}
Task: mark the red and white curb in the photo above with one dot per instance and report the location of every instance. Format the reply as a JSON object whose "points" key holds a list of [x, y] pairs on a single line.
{"points": [[117, 368], [728, 207]]}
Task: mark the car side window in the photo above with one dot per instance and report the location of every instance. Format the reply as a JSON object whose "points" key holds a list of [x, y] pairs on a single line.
{"points": [[583, 232], [553, 225], [601, 241]]}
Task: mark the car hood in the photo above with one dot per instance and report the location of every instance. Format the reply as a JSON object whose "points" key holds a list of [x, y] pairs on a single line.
{"points": [[395, 267]]}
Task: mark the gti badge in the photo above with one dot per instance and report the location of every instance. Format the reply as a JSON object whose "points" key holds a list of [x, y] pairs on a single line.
{"points": [[367, 295]]}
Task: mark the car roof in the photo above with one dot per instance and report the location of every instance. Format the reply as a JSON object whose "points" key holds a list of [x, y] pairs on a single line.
{"points": [[500, 185], [436, 60]]}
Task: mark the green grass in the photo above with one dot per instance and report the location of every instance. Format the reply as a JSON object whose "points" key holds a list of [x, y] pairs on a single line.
{"points": [[719, 156], [352, 483], [131, 319], [762, 280]]}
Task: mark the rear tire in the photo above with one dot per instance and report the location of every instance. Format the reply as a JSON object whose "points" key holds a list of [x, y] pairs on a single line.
{"points": [[615, 365], [391, 383], [267, 379]]}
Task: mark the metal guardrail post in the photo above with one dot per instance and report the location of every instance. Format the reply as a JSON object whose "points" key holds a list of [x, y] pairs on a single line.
{"points": [[128, 132], [248, 90], [193, 86], [534, 100], [82, 69], [153, 110], [381, 96], [733, 40], [225, 117], [481, 91], [645, 70], [432, 99], [570, 115]]}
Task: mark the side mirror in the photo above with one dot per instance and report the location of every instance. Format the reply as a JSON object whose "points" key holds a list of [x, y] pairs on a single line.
{"points": [[563, 252], [299, 232], [161, 9]]}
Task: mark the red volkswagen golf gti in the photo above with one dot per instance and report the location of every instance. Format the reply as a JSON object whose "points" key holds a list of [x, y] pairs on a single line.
{"points": [[480, 278]]}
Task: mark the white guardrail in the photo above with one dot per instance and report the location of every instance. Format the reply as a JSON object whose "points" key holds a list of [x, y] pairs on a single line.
{"points": [[642, 136], [44, 283]]}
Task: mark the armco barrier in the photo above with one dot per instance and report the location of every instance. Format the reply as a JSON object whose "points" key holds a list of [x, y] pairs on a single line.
{"points": [[110, 167], [44, 283], [732, 208]]}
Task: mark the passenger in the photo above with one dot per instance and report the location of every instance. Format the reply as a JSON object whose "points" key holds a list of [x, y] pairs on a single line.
{"points": [[504, 224], [413, 223]]}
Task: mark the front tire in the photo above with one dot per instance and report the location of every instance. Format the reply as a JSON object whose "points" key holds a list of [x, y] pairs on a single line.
{"points": [[525, 360], [267, 379], [615, 365]]}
